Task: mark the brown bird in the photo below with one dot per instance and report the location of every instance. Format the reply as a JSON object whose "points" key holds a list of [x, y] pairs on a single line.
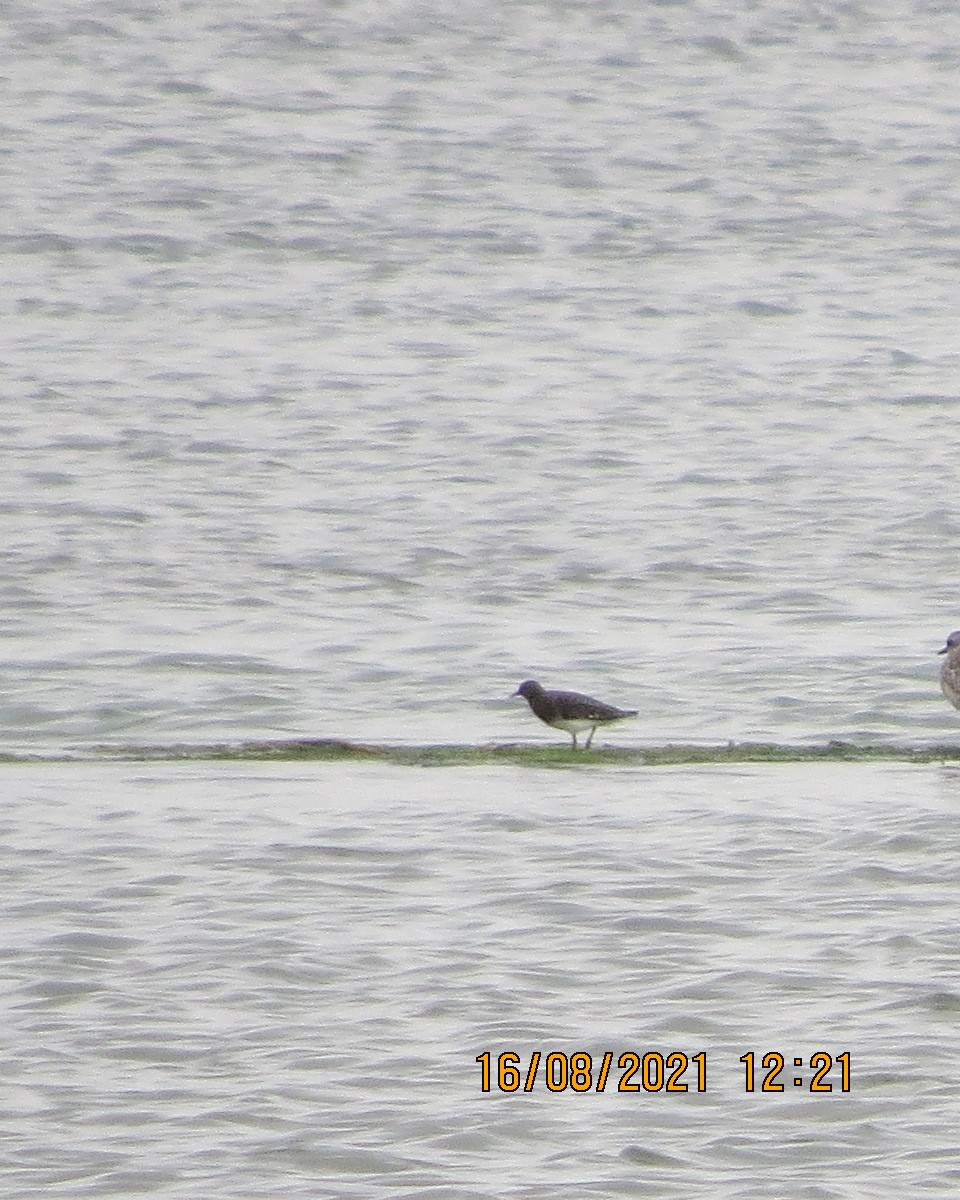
{"points": [[950, 669], [571, 711]]}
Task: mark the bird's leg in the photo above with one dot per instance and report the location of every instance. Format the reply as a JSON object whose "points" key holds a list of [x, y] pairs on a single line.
{"points": [[593, 730], [574, 736]]}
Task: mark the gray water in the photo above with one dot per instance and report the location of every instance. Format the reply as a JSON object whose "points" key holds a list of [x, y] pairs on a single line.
{"points": [[360, 361], [274, 980]]}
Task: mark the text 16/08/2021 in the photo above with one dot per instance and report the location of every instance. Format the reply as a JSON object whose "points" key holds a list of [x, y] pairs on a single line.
{"points": [[654, 1071]]}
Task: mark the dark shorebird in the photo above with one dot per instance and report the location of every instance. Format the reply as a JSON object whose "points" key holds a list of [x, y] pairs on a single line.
{"points": [[950, 670], [571, 711]]}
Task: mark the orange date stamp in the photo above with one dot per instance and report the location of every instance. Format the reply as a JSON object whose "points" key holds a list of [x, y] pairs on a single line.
{"points": [[657, 1071], [578, 1072]]}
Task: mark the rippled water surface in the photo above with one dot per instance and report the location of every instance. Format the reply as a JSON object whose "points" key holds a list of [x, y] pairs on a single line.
{"points": [[266, 980], [360, 361]]}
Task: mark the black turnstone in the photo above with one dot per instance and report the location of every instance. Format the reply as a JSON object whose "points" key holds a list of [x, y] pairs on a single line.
{"points": [[950, 670], [571, 711]]}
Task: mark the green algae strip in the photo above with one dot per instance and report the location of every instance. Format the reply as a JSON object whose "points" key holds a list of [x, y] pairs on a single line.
{"points": [[336, 750]]}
